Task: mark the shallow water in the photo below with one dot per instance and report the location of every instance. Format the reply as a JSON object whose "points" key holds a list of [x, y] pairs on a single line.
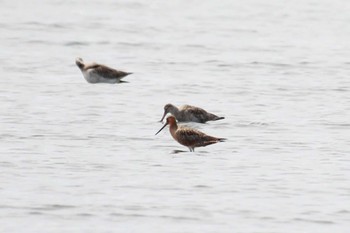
{"points": [[77, 157]]}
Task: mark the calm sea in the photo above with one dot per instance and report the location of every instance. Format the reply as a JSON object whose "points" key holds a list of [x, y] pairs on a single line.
{"points": [[77, 157]]}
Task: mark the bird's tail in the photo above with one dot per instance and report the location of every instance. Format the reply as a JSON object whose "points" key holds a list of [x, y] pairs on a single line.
{"points": [[219, 118]]}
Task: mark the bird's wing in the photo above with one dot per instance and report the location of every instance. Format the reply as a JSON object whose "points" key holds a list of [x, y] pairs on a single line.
{"points": [[106, 71], [194, 138], [199, 113], [187, 136]]}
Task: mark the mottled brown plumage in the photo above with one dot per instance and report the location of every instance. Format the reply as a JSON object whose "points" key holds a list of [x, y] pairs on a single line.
{"points": [[97, 73], [187, 136], [189, 113]]}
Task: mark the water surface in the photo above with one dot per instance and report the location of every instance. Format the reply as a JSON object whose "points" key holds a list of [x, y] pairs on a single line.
{"points": [[77, 157]]}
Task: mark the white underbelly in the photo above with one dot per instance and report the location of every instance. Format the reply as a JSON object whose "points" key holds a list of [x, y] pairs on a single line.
{"points": [[92, 77]]}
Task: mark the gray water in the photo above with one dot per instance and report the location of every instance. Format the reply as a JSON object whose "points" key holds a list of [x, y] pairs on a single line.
{"points": [[77, 157]]}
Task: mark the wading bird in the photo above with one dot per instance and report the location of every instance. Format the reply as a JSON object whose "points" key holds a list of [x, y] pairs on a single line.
{"points": [[189, 137], [96, 73], [189, 113]]}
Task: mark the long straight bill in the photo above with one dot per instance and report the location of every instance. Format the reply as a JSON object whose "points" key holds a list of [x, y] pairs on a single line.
{"points": [[162, 128], [163, 116]]}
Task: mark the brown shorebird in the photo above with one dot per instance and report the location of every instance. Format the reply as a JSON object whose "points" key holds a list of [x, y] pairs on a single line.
{"points": [[96, 73], [189, 113], [189, 137]]}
